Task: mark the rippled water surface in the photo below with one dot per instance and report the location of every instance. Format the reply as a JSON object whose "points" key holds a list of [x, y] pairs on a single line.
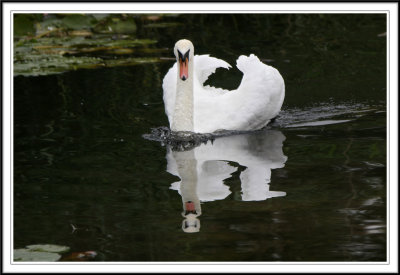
{"points": [[310, 187]]}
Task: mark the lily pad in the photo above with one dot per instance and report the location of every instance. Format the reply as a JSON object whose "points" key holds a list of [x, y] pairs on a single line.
{"points": [[48, 25], [79, 21], [40, 253], [44, 64], [27, 255], [26, 20], [163, 25], [100, 16], [23, 25], [120, 51], [116, 25], [80, 33], [53, 248], [131, 61]]}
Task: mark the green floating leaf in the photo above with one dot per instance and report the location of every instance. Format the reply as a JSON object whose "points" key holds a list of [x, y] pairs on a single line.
{"points": [[40, 253], [48, 25], [80, 33], [43, 64], [79, 21], [24, 24], [100, 16], [116, 25], [132, 61], [162, 25], [120, 51], [27, 255], [53, 248], [109, 42]]}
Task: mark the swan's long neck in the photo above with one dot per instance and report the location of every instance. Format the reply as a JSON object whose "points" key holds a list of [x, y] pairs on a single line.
{"points": [[183, 113]]}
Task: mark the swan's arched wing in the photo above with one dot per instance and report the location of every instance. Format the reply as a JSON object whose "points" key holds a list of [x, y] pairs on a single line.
{"points": [[258, 99], [169, 90], [205, 65]]}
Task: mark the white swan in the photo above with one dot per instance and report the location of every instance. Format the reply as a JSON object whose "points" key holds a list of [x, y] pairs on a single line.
{"points": [[190, 106]]}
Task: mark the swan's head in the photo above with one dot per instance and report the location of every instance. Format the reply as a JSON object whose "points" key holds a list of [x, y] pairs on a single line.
{"points": [[184, 52]]}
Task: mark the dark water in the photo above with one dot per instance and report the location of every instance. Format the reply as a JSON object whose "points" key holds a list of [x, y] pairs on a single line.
{"points": [[312, 187]]}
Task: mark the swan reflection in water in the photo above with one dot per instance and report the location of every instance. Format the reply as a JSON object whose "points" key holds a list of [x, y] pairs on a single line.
{"points": [[203, 169]]}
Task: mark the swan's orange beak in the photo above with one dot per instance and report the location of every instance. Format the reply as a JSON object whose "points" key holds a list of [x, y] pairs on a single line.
{"points": [[184, 68]]}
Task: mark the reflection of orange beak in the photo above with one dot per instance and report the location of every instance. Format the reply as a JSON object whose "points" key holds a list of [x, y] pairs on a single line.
{"points": [[184, 68], [190, 206]]}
